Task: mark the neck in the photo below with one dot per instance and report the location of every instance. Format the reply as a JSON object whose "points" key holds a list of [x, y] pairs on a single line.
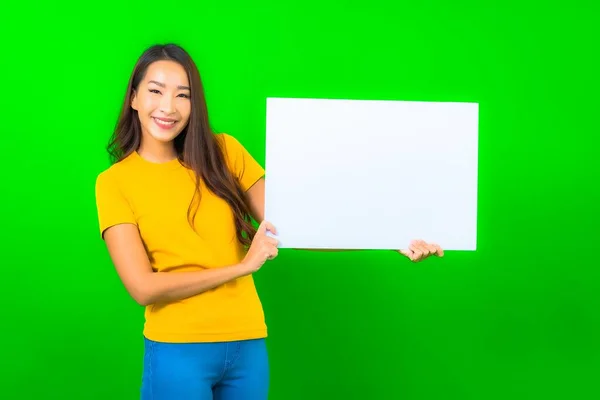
{"points": [[157, 152]]}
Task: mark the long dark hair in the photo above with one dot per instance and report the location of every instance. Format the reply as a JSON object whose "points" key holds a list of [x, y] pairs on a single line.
{"points": [[197, 147]]}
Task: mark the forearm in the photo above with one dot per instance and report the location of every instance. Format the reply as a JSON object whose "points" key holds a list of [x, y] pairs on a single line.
{"points": [[165, 287]]}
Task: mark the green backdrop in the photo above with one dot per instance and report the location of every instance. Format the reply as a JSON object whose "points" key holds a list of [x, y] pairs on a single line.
{"points": [[517, 319]]}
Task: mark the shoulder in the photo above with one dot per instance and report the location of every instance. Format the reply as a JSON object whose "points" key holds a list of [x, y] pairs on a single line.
{"points": [[228, 142], [239, 160], [233, 150], [110, 176], [107, 183]]}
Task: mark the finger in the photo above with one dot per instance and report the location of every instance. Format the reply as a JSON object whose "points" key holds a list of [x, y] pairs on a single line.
{"points": [[419, 242], [417, 253], [423, 248], [424, 245], [433, 249], [417, 246], [273, 253], [272, 241], [427, 250], [406, 252], [267, 254], [269, 226], [262, 228], [417, 249], [430, 247]]}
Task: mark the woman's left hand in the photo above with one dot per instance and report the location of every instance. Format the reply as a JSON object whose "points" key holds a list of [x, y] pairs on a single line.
{"points": [[420, 250]]}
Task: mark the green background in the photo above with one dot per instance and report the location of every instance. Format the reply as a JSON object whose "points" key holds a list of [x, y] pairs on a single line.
{"points": [[517, 319]]}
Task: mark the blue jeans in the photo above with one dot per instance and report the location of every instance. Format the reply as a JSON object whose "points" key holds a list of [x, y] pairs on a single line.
{"points": [[205, 371]]}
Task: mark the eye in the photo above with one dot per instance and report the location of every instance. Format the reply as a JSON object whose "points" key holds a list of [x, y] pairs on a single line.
{"points": [[154, 91], [184, 95]]}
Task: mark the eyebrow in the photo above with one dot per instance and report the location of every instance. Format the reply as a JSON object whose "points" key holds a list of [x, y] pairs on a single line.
{"points": [[180, 87]]}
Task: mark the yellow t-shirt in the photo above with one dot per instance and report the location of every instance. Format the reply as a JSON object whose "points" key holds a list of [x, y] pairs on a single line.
{"points": [[155, 197]]}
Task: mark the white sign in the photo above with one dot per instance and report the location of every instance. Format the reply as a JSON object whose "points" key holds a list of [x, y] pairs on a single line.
{"points": [[365, 174]]}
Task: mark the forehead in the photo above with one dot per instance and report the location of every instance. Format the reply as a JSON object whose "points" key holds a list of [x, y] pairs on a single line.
{"points": [[168, 72]]}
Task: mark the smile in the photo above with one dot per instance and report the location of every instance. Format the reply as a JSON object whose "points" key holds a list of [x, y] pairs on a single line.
{"points": [[163, 123]]}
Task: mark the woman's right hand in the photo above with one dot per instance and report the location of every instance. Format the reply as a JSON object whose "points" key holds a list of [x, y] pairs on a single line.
{"points": [[263, 248]]}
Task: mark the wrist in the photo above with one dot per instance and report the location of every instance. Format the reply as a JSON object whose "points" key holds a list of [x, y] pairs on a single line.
{"points": [[243, 268]]}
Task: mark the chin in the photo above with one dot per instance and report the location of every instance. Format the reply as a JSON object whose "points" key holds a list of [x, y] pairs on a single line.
{"points": [[164, 137]]}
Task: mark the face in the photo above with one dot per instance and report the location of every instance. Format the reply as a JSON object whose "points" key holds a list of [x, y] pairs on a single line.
{"points": [[162, 101]]}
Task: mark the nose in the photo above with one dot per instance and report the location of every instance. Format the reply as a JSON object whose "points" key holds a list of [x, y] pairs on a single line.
{"points": [[167, 105]]}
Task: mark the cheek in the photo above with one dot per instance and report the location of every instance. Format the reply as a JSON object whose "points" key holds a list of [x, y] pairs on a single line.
{"points": [[185, 110], [149, 104]]}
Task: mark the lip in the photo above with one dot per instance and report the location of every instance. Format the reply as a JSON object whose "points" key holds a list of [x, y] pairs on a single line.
{"points": [[164, 123]]}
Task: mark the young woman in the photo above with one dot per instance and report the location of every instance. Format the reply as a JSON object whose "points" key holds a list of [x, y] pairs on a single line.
{"points": [[175, 210]]}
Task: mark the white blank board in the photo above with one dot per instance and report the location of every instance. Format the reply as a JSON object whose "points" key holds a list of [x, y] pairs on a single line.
{"points": [[368, 174]]}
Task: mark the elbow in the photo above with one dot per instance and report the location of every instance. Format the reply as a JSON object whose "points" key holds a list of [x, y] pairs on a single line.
{"points": [[142, 300], [142, 297], [142, 290]]}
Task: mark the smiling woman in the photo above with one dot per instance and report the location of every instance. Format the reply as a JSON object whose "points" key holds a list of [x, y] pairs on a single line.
{"points": [[175, 212]]}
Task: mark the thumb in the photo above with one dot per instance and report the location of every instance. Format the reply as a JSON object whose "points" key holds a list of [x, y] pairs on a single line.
{"points": [[269, 226], [262, 228], [406, 252]]}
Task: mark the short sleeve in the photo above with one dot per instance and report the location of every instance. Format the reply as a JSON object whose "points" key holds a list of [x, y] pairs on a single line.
{"points": [[112, 207], [244, 166]]}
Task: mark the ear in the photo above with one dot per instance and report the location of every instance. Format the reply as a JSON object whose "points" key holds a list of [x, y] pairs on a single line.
{"points": [[134, 100]]}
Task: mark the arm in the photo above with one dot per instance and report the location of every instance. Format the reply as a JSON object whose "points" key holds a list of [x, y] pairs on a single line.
{"points": [[148, 287]]}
